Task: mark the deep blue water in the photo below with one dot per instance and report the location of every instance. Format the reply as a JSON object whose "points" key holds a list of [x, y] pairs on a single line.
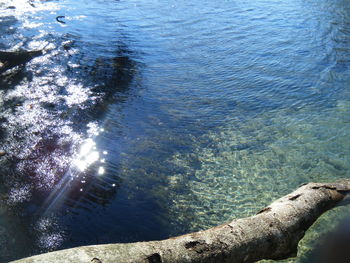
{"points": [[149, 119]]}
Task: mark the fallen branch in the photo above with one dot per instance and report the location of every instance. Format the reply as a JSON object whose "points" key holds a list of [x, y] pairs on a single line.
{"points": [[273, 233]]}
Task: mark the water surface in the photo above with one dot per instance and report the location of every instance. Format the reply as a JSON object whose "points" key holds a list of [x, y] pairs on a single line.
{"points": [[149, 119]]}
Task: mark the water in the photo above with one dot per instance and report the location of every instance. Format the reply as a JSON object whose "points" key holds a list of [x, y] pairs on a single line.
{"points": [[148, 119]]}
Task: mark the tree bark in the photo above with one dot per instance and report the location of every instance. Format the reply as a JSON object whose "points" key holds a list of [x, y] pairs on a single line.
{"points": [[273, 233]]}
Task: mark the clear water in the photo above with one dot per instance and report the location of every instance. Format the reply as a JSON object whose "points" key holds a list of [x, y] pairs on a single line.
{"points": [[148, 119]]}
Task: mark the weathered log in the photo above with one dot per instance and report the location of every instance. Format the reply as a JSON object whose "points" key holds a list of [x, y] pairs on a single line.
{"points": [[9, 60], [273, 233]]}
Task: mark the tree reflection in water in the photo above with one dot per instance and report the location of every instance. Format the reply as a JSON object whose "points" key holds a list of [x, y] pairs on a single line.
{"points": [[50, 105]]}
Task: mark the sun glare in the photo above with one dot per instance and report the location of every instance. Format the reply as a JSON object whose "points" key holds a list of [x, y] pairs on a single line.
{"points": [[87, 155]]}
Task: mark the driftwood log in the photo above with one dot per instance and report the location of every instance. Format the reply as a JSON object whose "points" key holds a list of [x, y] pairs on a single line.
{"points": [[273, 233]]}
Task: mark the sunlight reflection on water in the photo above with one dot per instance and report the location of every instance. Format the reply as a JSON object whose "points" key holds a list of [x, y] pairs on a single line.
{"points": [[87, 155]]}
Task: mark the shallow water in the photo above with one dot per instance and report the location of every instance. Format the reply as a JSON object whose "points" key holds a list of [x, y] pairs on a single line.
{"points": [[148, 119]]}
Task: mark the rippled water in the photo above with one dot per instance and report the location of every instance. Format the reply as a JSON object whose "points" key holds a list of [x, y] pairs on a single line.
{"points": [[147, 119]]}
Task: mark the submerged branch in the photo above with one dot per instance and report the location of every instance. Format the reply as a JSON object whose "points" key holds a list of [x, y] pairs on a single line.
{"points": [[273, 233], [9, 60]]}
